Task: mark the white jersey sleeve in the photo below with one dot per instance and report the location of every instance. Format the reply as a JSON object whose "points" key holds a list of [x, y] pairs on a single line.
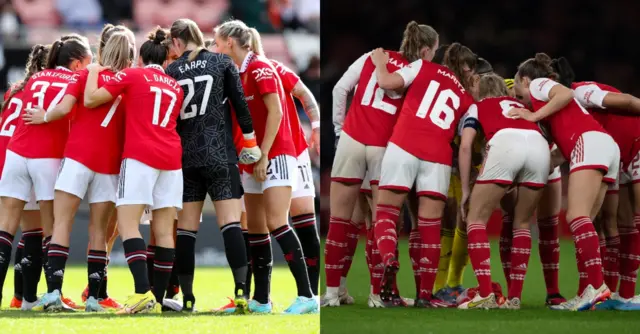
{"points": [[342, 89], [590, 96], [540, 88], [410, 72], [469, 119]]}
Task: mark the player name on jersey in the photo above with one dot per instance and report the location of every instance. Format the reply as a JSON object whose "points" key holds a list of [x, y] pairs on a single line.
{"points": [[193, 65]]}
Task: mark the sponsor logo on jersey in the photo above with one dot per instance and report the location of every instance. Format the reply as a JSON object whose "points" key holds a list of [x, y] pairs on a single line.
{"points": [[262, 73]]}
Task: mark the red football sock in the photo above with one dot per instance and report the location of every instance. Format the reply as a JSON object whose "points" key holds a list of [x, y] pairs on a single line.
{"points": [[610, 264], [549, 249], [520, 253], [353, 233], [629, 260], [603, 247], [586, 242], [377, 268], [335, 250], [394, 288], [480, 255], [583, 280], [429, 229], [415, 248], [367, 250], [385, 230], [506, 239]]}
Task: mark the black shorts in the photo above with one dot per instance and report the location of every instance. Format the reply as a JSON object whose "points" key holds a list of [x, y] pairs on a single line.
{"points": [[220, 182]]}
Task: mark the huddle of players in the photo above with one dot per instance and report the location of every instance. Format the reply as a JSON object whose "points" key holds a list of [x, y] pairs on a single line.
{"points": [[588, 124], [141, 139]]}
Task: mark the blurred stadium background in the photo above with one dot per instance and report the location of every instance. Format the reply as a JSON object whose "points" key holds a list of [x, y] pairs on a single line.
{"points": [[594, 36], [290, 34]]}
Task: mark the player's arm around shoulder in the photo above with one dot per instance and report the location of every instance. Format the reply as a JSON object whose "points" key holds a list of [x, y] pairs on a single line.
{"points": [[94, 96]]}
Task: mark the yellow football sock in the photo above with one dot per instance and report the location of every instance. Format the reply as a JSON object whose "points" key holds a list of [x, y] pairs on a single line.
{"points": [[446, 244], [459, 258]]}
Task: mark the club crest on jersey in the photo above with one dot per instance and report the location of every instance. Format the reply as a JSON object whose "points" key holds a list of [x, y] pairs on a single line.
{"points": [[262, 73], [120, 75]]}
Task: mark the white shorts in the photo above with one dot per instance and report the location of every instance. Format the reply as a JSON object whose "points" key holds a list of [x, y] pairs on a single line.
{"points": [[354, 159], [631, 174], [142, 184], [306, 188], [596, 150], [281, 172], [400, 170], [147, 216], [516, 156], [366, 184], [77, 179], [21, 176]]}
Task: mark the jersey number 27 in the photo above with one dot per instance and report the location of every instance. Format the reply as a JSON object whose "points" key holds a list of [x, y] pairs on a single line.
{"points": [[189, 87]]}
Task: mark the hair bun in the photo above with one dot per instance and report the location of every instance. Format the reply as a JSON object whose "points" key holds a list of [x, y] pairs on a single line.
{"points": [[543, 58], [160, 36]]}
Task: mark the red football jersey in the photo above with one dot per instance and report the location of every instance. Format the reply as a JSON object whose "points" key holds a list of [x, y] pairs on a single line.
{"points": [[625, 129], [373, 111], [567, 124], [45, 89], [434, 102], [12, 110], [492, 113], [289, 81], [152, 102], [259, 78], [96, 139]]}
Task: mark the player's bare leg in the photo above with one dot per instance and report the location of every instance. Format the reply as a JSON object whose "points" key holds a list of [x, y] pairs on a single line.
{"points": [[162, 228], [260, 249], [228, 213], [485, 197], [547, 212], [99, 216], [135, 253], [388, 208], [415, 243], [430, 211], [629, 251], [65, 207], [188, 226], [303, 220], [610, 262], [524, 209], [343, 197], [31, 228], [507, 206], [277, 201], [584, 195]]}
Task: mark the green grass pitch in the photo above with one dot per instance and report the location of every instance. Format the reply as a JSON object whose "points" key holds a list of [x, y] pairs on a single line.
{"points": [[212, 285], [532, 318]]}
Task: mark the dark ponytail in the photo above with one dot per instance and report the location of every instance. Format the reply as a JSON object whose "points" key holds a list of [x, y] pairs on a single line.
{"points": [[35, 63], [566, 76], [65, 50], [537, 67], [456, 57], [155, 49], [438, 58]]}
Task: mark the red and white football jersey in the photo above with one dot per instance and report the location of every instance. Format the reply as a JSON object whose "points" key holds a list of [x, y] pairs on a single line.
{"points": [[10, 115], [373, 111], [289, 80], [259, 77], [152, 102], [567, 124], [433, 106], [625, 129], [492, 113], [45, 89], [96, 139]]}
